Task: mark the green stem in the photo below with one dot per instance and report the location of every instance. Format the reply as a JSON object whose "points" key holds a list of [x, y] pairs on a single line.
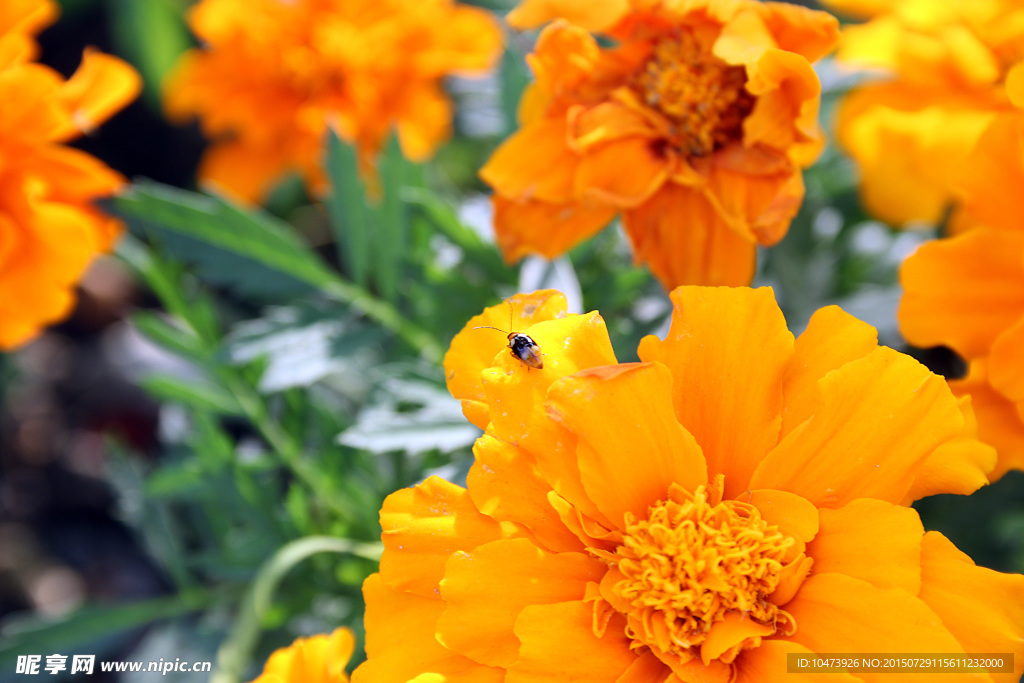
{"points": [[386, 316], [236, 652]]}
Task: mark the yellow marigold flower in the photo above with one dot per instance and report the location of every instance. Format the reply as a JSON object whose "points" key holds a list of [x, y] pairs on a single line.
{"points": [[694, 128], [272, 76], [317, 659], [967, 292], [737, 496], [946, 64], [49, 231]]}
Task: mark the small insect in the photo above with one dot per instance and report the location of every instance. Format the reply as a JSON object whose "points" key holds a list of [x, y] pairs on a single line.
{"points": [[522, 346]]}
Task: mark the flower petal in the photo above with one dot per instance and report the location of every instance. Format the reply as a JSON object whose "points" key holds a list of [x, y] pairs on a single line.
{"points": [[958, 466], [767, 664], [550, 230], [795, 516], [684, 241], [423, 526], [243, 171], [871, 540], [727, 350], [485, 589], [982, 608], [1006, 365], [400, 640], [535, 162], [630, 447], [100, 87], [645, 669], [472, 350], [837, 613], [593, 16], [999, 423], [559, 645], [506, 485], [831, 339], [734, 629], [516, 398], [964, 291], [623, 173], [878, 418]]}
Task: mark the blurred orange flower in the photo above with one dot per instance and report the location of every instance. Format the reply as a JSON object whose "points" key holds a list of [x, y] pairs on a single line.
{"points": [[694, 128], [967, 292], [660, 521], [49, 231], [272, 76], [945, 64], [317, 659]]}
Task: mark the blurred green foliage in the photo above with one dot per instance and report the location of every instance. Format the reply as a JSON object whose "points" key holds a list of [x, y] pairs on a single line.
{"points": [[307, 385]]}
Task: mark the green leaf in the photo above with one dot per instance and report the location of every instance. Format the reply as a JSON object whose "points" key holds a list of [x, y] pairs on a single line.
{"points": [[197, 393], [36, 635], [411, 416], [349, 210], [213, 221], [172, 337]]}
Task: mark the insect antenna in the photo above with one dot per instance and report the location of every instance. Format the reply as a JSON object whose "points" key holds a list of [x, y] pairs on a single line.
{"points": [[488, 327]]}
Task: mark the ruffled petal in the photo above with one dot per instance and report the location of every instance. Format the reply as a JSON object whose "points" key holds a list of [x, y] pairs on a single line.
{"points": [[982, 608], [1006, 365], [999, 422], [517, 398], [795, 516], [873, 541], [506, 485], [401, 644], [964, 291], [682, 238], [101, 87], [473, 350], [837, 613], [831, 339], [767, 664], [485, 589], [600, 176], [877, 420], [426, 121], [727, 350], [559, 645], [960, 465], [423, 526], [535, 163], [626, 470], [550, 230]]}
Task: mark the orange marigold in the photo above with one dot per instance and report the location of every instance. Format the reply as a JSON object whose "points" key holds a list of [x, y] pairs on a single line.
{"points": [[945, 65], [272, 76], [737, 496], [694, 128], [967, 292], [317, 659], [49, 231]]}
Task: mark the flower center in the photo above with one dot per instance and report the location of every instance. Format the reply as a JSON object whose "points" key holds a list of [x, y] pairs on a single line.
{"points": [[703, 98], [690, 563]]}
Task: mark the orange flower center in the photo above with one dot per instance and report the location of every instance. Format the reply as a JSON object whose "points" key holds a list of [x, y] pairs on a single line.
{"points": [[703, 98], [690, 563]]}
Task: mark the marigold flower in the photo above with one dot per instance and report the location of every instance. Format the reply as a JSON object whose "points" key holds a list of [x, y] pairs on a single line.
{"points": [[694, 128], [967, 292], [737, 496], [272, 76], [318, 659], [946, 63], [49, 231]]}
